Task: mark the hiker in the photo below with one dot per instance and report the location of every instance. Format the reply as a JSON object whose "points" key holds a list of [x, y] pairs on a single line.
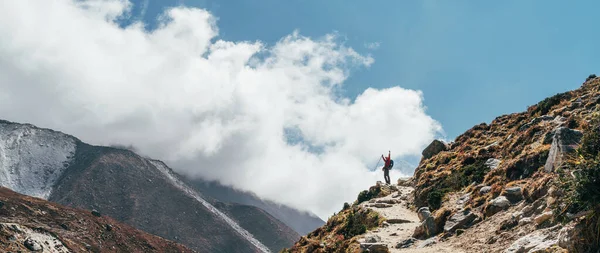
{"points": [[387, 167]]}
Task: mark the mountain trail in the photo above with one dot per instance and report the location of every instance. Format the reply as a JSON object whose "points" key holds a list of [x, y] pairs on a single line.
{"points": [[400, 224]]}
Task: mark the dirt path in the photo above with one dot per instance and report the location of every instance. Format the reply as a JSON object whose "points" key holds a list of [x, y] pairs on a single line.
{"points": [[400, 225]]}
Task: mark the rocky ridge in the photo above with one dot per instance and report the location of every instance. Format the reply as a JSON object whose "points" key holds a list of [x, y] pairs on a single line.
{"points": [[514, 185]]}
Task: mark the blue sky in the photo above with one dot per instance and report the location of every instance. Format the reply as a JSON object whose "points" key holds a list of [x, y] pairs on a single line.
{"points": [[473, 60]]}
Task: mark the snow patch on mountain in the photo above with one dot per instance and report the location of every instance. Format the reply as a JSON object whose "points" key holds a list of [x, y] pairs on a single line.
{"points": [[33, 159], [182, 186]]}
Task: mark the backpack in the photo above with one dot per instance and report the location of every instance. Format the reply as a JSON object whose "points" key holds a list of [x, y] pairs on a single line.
{"points": [[391, 164]]}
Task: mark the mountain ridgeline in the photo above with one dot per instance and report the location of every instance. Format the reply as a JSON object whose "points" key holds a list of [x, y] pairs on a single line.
{"points": [[141, 192]]}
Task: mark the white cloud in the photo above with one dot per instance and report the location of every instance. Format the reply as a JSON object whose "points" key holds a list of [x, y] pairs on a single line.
{"points": [[372, 45], [210, 108]]}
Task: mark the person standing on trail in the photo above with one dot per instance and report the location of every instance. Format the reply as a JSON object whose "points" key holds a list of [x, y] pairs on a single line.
{"points": [[387, 167]]}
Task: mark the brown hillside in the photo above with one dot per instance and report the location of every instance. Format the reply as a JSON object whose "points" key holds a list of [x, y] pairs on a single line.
{"points": [[523, 183], [57, 228]]}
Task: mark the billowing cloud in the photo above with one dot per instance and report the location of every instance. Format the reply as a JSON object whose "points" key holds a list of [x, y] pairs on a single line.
{"points": [[269, 119]]}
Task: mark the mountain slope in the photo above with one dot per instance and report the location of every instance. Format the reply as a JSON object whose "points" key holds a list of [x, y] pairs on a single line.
{"points": [[262, 225], [301, 222], [57, 228], [138, 191], [527, 182]]}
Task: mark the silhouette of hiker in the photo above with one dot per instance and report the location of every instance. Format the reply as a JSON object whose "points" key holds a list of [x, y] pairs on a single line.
{"points": [[386, 167]]}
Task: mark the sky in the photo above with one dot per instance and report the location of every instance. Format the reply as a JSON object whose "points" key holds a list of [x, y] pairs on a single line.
{"points": [[293, 101]]}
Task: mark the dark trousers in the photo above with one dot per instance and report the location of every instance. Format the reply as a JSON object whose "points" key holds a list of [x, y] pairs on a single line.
{"points": [[386, 176]]}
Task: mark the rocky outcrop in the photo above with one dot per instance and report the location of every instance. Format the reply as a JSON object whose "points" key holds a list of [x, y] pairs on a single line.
{"points": [[427, 228], [538, 241], [460, 219], [492, 163], [564, 141], [434, 148]]}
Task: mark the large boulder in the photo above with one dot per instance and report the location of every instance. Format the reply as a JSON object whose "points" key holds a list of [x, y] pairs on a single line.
{"points": [[564, 141], [423, 213], [538, 241], [496, 205], [426, 229], [32, 245], [461, 219], [433, 149], [569, 237], [492, 163]]}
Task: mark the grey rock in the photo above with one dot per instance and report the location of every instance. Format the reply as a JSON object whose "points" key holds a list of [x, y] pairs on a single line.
{"points": [[406, 243], [496, 205], [536, 121], [374, 247], [501, 202], [423, 213], [485, 189], [492, 163], [460, 219], [372, 239], [559, 120], [567, 237], [525, 220], [564, 141], [434, 148], [463, 199], [513, 194], [427, 243], [534, 242], [96, 213], [426, 229], [32, 245]]}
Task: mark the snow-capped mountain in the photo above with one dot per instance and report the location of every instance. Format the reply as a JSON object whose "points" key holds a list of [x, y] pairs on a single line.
{"points": [[32, 159], [141, 192]]}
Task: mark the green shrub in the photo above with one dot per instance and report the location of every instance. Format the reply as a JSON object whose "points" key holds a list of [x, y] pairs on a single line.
{"points": [[583, 191], [434, 199], [367, 195], [590, 143], [592, 76], [346, 206], [545, 105], [357, 223]]}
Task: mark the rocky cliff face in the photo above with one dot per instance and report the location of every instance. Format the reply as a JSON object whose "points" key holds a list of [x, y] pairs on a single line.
{"points": [[30, 224], [135, 190], [526, 182]]}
